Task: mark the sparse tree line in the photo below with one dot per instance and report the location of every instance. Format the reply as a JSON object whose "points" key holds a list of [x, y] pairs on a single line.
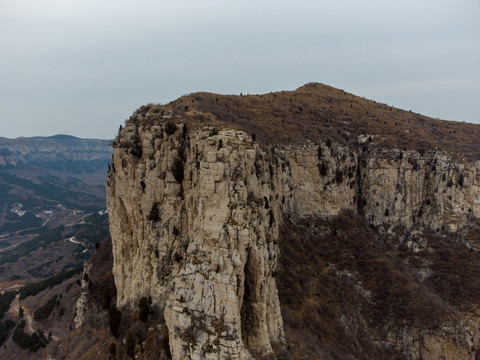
{"points": [[31, 342], [35, 288]]}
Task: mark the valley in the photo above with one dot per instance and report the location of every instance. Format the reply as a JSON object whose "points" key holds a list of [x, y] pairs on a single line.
{"points": [[52, 205]]}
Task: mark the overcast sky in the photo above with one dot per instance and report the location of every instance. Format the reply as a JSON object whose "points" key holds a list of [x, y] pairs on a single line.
{"points": [[82, 67]]}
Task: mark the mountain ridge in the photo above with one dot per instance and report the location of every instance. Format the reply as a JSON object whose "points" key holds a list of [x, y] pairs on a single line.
{"points": [[317, 111], [56, 136], [57, 148]]}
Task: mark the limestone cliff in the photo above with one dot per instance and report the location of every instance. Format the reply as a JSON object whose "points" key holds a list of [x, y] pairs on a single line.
{"points": [[195, 215], [195, 225]]}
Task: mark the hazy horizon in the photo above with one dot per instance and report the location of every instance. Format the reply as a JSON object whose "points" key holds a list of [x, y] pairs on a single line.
{"points": [[82, 68], [55, 135]]}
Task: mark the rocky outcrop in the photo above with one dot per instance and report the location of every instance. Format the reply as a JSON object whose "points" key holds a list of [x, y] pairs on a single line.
{"points": [[81, 307], [194, 220]]}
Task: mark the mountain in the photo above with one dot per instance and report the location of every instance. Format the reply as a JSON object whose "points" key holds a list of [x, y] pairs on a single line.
{"points": [[58, 152], [291, 225], [51, 190]]}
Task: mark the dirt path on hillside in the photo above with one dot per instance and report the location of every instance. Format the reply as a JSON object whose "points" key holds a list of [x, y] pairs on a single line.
{"points": [[27, 316], [9, 248], [27, 313]]}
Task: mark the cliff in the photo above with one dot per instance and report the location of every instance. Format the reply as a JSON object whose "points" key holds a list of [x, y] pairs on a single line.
{"points": [[198, 242], [200, 208]]}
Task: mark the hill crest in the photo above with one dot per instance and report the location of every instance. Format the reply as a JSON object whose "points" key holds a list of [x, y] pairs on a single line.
{"points": [[315, 112]]}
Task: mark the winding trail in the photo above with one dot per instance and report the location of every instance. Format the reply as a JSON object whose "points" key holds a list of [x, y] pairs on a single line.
{"points": [[27, 313], [27, 316]]}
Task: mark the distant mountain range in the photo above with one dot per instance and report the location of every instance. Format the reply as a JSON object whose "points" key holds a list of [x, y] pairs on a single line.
{"points": [[59, 152]]}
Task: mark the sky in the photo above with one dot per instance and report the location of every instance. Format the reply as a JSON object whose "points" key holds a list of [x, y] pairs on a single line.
{"points": [[82, 67]]}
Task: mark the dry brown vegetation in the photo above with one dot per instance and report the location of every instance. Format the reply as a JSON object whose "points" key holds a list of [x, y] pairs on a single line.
{"points": [[342, 287], [316, 111]]}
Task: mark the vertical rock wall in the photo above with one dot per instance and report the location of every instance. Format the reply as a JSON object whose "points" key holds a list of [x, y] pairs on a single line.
{"points": [[195, 222]]}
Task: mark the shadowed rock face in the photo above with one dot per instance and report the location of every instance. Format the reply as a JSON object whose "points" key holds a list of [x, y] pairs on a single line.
{"points": [[195, 218]]}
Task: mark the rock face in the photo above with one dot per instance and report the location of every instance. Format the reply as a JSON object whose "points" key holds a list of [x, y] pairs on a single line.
{"points": [[194, 220], [194, 223]]}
